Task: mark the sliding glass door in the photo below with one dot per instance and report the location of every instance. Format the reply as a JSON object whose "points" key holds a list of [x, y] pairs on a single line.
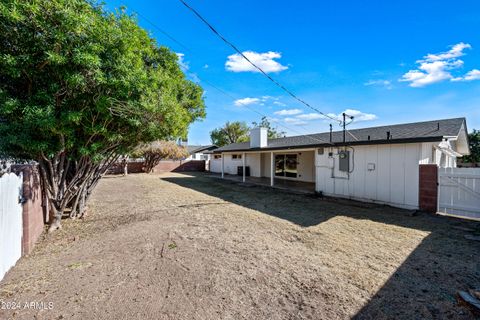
{"points": [[286, 165]]}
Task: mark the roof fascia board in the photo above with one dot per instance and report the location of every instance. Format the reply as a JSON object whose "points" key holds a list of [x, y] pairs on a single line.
{"points": [[338, 144]]}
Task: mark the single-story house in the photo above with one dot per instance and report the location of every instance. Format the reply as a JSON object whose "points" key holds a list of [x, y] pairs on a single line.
{"points": [[200, 152], [377, 164]]}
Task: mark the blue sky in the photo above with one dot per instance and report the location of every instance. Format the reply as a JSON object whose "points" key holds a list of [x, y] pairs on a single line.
{"points": [[385, 61]]}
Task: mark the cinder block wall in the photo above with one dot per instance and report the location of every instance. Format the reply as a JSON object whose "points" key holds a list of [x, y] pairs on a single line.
{"points": [[428, 187], [180, 166], [163, 166]]}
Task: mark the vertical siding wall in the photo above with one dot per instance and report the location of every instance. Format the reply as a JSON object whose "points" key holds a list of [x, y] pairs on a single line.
{"points": [[394, 179]]}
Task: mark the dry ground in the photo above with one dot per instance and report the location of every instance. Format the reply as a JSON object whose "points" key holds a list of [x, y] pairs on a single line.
{"points": [[176, 246]]}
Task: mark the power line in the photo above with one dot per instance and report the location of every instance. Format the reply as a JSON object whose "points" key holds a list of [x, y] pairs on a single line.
{"points": [[253, 64], [224, 92], [164, 32], [261, 114]]}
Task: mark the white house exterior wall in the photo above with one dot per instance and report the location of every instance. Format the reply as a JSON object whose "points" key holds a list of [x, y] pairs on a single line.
{"points": [[254, 162], [381, 173], [215, 165], [230, 165], [384, 173], [306, 166], [265, 159], [198, 156]]}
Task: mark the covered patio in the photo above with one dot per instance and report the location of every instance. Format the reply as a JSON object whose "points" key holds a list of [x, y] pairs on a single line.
{"points": [[292, 170], [290, 185]]}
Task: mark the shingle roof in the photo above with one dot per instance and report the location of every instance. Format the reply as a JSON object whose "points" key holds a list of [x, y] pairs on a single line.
{"points": [[192, 148], [401, 133], [195, 149]]}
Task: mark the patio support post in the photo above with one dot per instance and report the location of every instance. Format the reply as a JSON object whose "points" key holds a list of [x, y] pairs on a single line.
{"points": [[243, 164], [223, 165], [272, 171]]}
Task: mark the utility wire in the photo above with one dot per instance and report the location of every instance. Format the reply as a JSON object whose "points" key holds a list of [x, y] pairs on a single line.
{"points": [[253, 64], [224, 92], [261, 114], [164, 32]]}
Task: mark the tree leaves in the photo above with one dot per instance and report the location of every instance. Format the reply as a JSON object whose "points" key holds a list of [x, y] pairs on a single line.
{"points": [[474, 142], [231, 132], [68, 68]]}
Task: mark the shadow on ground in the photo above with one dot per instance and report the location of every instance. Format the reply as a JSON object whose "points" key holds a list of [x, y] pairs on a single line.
{"points": [[423, 286]]}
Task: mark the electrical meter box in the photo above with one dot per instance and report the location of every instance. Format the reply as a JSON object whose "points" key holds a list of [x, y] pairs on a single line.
{"points": [[344, 161]]}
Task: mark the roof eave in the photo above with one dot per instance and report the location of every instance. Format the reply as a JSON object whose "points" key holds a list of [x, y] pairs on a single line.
{"points": [[339, 144]]}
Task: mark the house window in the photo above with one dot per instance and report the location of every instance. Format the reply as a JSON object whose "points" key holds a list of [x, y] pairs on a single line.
{"points": [[217, 156], [236, 156]]}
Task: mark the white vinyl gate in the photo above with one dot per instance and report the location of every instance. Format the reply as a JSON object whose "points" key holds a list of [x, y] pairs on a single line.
{"points": [[459, 192], [11, 228]]}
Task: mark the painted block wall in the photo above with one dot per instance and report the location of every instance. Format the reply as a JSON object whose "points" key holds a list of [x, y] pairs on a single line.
{"points": [[215, 165]]}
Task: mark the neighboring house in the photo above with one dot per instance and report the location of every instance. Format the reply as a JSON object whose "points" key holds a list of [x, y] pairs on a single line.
{"points": [[200, 152], [379, 164]]}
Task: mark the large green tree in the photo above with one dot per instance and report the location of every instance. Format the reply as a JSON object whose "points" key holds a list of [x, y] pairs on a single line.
{"points": [[230, 132], [78, 87], [272, 131]]}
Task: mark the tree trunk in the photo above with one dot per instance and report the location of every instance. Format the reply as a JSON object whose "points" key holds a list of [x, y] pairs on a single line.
{"points": [[151, 161], [69, 184], [125, 165]]}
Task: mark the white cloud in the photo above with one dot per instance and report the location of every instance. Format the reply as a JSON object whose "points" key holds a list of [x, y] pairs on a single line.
{"points": [[470, 76], [358, 116], [260, 101], [437, 67], [193, 77], [278, 103], [455, 52], [381, 83], [295, 121], [265, 61], [288, 112], [246, 101], [310, 116], [181, 62]]}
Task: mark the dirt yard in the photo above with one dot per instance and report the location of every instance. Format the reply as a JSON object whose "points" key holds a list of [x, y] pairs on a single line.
{"points": [[176, 246]]}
